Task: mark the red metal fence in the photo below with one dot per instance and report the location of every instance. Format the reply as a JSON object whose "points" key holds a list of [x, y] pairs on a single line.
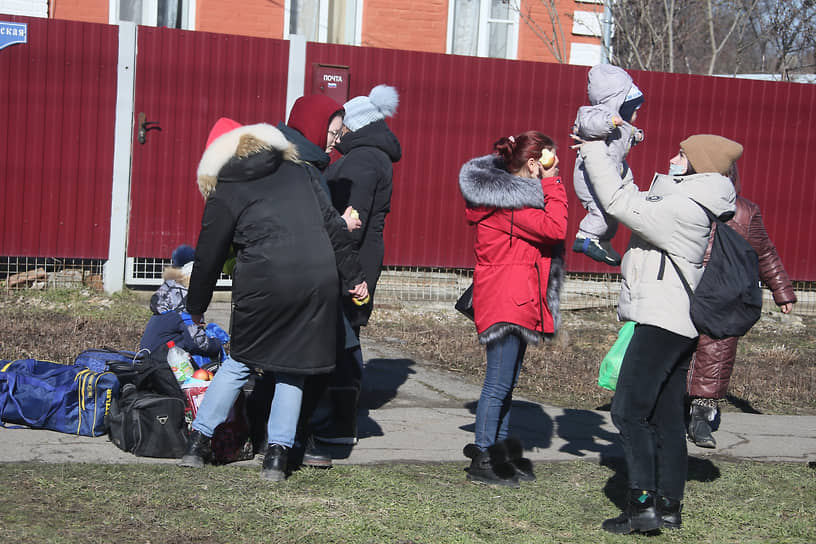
{"points": [[59, 96], [57, 105], [453, 108], [185, 81]]}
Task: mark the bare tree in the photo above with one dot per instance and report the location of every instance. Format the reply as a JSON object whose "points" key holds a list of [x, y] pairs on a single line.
{"points": [[644, 33], [740, 19], [549, 30], [694, 36], [789, 28]]}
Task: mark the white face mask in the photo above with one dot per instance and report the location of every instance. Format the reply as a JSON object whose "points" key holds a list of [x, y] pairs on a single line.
{"points": [[676, 169]]}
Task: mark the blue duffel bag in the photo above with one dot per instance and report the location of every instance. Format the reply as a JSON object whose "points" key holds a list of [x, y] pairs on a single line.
{"points": [[65, 398], [100, 360]]}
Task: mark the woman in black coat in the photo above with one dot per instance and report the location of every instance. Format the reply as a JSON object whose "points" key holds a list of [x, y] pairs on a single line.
{"points": [[267, 206], [361, 178]]}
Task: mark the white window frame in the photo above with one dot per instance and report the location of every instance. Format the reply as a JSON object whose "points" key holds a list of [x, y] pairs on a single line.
{"points": [[323, 23], [587, 23], [483, 45], [150, 13], [27, 8]]}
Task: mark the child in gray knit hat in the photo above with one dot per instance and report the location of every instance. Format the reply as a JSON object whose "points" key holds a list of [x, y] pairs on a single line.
{"points": [[615, 100]]}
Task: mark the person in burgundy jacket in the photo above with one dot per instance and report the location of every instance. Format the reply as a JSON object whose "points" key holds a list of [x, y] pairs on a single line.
{"points": [[518, 205], [710, 371]]}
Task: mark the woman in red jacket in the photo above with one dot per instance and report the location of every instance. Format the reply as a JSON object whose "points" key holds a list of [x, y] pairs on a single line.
{"points": [[518, 205]]}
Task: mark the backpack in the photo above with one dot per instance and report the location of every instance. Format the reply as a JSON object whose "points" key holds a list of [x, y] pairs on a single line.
{"points": [[149, 372], [148, 424], [728, 300]]}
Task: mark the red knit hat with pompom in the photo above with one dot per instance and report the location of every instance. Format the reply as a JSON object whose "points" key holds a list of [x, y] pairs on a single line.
{"points": [[221, 127]]}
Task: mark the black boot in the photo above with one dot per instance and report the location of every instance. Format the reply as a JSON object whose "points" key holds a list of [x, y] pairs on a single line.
{"points": [[315, 456], [669, 511], [699, 428], [274, 463], [639, 516], [522, 465], [199, 450], [490, 466]]}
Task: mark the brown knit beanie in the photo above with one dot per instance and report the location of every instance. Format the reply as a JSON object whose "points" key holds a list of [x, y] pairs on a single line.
{"points": [[710, 153]]}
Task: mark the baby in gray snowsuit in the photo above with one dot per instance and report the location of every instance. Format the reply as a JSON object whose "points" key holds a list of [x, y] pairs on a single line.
{"points": [[615, 100]]}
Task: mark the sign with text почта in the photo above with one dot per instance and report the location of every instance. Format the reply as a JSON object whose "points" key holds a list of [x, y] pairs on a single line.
{"points": [[11, 33]]}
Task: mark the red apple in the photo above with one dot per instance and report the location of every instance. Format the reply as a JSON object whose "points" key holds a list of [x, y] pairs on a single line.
{"points": [[202, 374]]}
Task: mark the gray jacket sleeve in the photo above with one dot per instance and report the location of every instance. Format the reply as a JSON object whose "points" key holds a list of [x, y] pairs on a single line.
{"points": [[593, 122]]}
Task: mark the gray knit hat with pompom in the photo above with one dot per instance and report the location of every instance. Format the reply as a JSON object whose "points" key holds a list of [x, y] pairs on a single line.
{"points": [[362, 110]]}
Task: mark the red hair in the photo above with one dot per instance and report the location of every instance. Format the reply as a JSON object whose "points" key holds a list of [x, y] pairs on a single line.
{"points": [[516, 150]]}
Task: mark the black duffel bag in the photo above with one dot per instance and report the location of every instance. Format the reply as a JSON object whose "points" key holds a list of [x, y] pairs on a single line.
{"points": [[148, 424]]}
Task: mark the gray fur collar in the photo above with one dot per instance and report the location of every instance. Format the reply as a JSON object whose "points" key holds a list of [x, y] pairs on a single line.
{"points": [[485, 182]]}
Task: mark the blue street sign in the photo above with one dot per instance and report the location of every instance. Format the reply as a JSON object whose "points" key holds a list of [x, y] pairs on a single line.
{"points": [[11, 33]]}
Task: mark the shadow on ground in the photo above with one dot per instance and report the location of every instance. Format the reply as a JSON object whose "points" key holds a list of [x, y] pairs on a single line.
{"points": [[582, 432], [382, 379], [528, 422]]}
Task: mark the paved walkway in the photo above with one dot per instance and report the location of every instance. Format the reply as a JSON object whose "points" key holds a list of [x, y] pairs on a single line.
{"points": [[411, 412]]}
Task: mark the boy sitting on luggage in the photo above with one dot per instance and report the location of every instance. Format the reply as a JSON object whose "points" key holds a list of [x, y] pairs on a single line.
{"points": [[615, 100], [171, 321]]}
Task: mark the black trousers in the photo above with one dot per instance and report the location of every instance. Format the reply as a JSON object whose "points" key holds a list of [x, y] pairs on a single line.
{"points": [[648, 410]]}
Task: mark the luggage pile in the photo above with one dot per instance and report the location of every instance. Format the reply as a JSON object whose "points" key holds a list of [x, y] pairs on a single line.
{"points": [[133, 397]]}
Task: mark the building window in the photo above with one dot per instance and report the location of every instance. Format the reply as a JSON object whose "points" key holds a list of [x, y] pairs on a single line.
{"points": [[326, 21], [487, 28], [587, 23], [163, 13]]}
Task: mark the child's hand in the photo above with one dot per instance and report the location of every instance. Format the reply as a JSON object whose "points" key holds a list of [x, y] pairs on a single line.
{"points": [[578, 139], [617, 121]]}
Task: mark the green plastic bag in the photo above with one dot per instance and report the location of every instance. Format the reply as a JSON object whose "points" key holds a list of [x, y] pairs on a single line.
{"points": [[229, 264], [610, 366]]}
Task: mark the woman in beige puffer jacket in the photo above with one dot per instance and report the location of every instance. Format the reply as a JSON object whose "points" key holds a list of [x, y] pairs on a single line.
{"points": [[648, 406]]}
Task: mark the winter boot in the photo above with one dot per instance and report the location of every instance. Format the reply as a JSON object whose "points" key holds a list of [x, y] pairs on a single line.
{"points": [[199, 450], [315, 456], [275, 463], [669, 512], [490, 466], [639, 516], [699, 427], [343, 426], [522, 465]]}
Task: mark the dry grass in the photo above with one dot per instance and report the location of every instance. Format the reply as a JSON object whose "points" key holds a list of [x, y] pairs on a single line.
{"points": [[58, 325], [773, 374]]}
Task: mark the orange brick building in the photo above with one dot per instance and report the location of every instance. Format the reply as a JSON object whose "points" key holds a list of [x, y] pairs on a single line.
{"points": [[567, 31]]}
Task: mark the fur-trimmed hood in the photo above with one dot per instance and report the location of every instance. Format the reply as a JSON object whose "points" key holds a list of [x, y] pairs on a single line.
{"points": [[242, 154], [485, 182], [493, 194]]}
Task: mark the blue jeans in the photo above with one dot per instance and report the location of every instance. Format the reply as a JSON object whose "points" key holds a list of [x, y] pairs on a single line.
{"points": [[224, 389], [504, 357], [648, 410]]}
